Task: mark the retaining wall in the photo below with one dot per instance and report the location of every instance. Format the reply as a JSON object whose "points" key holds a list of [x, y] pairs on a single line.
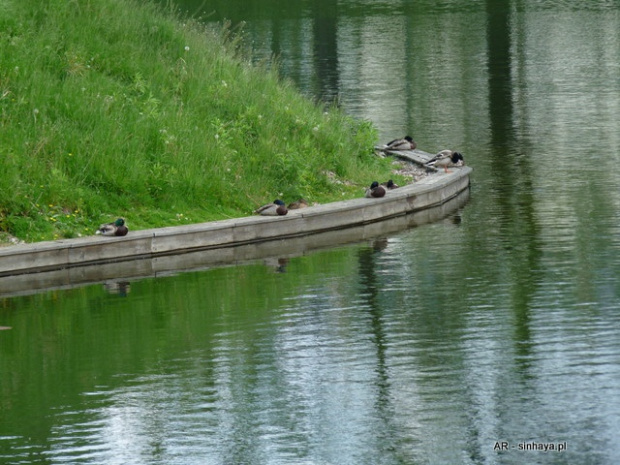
{"points": [[430, 192]]}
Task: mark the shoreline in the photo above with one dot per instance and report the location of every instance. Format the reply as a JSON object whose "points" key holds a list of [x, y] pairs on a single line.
{"points": [[432, 191], [117, 277]]}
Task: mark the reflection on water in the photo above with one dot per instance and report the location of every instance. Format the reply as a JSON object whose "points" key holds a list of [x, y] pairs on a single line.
{"points": [[385, 351], [275, 253], [500, 324], [121, 288]]}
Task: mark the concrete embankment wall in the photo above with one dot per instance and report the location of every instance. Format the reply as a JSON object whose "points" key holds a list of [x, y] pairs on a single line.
{"points": [[44, 256], [270, 253]]}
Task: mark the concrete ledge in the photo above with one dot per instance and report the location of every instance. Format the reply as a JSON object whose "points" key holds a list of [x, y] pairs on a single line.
{"points": [[430, 192], [114, 275]]}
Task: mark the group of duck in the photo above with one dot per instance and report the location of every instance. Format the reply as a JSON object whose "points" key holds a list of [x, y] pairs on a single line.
{"points": [[377, 190], [279, 208], [444, 159]]}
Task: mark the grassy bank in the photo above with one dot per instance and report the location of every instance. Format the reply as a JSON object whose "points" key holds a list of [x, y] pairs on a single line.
{"points": [[116, 108]]}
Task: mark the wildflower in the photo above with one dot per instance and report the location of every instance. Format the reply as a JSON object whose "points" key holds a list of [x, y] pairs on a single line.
{"points": [[187, 48]]}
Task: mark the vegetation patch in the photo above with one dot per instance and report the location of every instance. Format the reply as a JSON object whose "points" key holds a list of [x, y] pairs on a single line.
{"points": [[121, 108]]}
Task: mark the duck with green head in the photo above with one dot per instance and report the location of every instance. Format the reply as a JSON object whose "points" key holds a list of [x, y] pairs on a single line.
{"points": [[375, 191], [117, 228], [447, 159], [389, 185], [277, 208]]}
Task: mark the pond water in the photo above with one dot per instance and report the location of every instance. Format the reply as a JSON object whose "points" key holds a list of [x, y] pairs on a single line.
{"points": [[498, 327]]}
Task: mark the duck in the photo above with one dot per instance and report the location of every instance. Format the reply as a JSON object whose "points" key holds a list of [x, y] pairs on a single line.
{"points": [[375, 190], [447, 159], [117, 228], [390, 185], [406, 143], [277, 208], [301, 203]]}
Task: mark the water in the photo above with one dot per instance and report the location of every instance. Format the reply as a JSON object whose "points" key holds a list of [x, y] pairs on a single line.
{"points": [[499, 324]]}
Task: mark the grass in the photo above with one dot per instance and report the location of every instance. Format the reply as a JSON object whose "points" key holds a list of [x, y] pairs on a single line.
{"points": [[120, 108]]}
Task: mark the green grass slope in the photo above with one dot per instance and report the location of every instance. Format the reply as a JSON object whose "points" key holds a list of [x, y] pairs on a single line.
{"points": [[118, 108]]}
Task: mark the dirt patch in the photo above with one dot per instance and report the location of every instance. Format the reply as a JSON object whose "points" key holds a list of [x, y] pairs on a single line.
{"points": [[410, 170], [7, 240]]}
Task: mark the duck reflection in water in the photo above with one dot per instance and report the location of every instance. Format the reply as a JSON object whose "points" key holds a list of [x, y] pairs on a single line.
{"points": [[278, 264], [379, 244], [120, 288]]}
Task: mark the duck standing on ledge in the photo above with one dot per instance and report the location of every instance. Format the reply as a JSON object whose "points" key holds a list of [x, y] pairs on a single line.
{"points": [[277, 208], [447, 159], [375, 190], [406, 143], [117, 228]]}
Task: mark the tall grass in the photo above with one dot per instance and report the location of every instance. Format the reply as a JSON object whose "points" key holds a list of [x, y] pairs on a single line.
{"points": [[119, 108]]}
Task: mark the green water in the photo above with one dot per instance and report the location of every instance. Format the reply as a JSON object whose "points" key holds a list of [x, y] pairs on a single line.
{"points": [[499, 324]]}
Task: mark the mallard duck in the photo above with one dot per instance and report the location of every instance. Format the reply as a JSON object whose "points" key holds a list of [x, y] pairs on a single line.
{"points": [[116, 228], [277, 208], [389, 185], [406, 143], [447, 159], [375, 190], [301, 203]]}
